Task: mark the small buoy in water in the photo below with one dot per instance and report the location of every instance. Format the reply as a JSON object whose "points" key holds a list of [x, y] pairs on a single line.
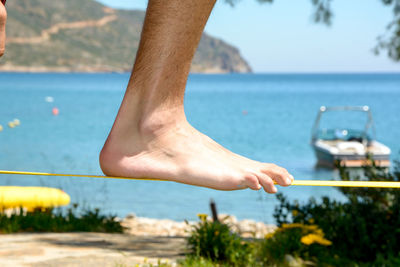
{"points": [[49, 99], [55, 111], [16, 122], [1, 128], [245, 112], [11, 124]]}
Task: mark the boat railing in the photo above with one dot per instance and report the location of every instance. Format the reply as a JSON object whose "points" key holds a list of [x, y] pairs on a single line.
{"points": [[368, 126]]}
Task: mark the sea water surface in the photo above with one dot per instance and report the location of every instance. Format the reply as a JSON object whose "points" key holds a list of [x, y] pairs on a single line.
{"points": [[264, 117]]}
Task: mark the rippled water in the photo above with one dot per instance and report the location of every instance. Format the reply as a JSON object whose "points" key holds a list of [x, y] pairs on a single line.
{"points": [[264, 117]]}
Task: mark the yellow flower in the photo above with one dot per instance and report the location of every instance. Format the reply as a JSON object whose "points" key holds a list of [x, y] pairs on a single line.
{"points": [[269, 235], [319, 232], [313, 228], [311, 220], [313, 238], [294, 213], [202, 217], [292, 225]]}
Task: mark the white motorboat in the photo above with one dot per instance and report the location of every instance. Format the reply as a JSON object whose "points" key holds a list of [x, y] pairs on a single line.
{"points": [[352, 147]]}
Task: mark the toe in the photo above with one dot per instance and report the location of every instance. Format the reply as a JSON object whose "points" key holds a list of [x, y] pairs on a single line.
{"points": [[267, 183], [252, 182], [278, 174]]}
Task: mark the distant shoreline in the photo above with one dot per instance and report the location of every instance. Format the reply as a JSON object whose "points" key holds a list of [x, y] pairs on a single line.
{"points": [[210, 72], [58, 71], [20, 69]]}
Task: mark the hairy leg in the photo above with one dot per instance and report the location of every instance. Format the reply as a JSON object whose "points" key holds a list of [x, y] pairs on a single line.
{"points": [[3, 18], [151, 136]]}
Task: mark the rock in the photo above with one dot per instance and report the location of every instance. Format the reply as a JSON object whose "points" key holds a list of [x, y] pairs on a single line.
{"points": [[130, 216], [140, 226], [295, 262], [228, 219]]}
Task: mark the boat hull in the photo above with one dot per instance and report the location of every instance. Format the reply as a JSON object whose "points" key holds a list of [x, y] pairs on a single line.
{"points": [[329, 160]]}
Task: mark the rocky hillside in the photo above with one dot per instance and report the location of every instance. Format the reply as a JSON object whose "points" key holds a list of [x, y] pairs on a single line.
{"points": [[85, 36]]}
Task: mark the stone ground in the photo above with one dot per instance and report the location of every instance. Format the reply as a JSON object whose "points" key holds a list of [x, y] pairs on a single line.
{"points": [[87, 249], [140, 226], [145, 240]]}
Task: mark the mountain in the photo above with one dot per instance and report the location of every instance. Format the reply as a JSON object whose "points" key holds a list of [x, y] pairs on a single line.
{"points": [[86, 36]]}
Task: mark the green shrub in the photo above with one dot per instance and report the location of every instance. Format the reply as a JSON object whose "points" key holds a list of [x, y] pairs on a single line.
{"points": [[384, 261], [298, 241], [50, 220], [215, 241], [192, 261], [364, 227]]}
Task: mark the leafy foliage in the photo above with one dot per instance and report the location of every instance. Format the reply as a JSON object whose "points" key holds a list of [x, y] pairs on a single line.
{"points": [[233, 2], [191, 261], [390, 40], [215, 242], [298, 240], [57, 221], [365, 228], [322, 13]]}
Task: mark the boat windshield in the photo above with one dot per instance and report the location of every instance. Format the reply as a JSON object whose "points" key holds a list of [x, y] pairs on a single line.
{"points": [[344, 123], [343, 134]]}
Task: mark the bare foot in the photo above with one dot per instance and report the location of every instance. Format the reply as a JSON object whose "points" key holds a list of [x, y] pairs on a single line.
{"points": [[178, 152], [151, 137]]}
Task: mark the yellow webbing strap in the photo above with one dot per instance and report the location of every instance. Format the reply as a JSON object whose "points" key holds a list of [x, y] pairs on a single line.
{"points": [[375, 184]]}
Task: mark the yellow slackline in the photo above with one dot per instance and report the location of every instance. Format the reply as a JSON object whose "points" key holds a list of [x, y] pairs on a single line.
{"points": [[375, 184], [74, 175]]}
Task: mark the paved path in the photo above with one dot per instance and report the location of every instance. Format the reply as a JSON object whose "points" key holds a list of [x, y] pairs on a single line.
{"points": [[87, 249]]}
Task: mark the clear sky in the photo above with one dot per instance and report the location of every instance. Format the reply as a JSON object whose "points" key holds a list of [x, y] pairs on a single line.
{"points": [[281, 37]]}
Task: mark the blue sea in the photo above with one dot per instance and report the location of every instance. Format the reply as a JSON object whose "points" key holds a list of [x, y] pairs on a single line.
{"points": [[264, 117]]}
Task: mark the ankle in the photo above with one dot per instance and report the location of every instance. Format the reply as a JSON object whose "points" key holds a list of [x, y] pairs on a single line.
{"points": [[159, 122]]}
